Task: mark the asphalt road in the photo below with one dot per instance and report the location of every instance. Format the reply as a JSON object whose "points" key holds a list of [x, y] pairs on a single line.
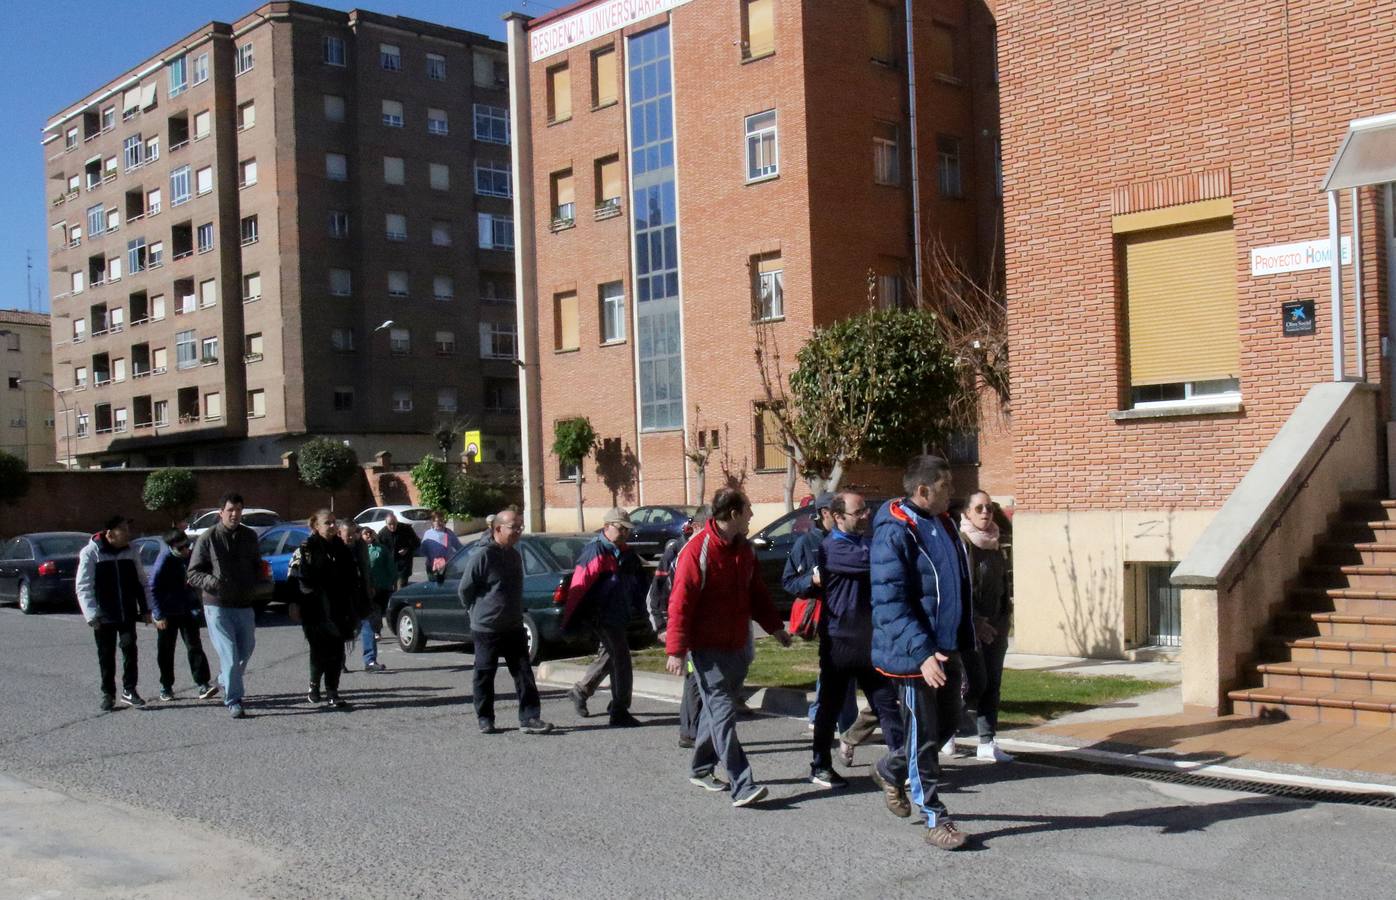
{"points": [[402, 797]]}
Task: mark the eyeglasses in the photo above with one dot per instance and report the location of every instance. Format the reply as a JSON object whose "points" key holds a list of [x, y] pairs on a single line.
{"points": [[980, 507]]}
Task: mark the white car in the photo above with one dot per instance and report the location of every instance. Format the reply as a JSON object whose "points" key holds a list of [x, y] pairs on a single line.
{"points": [[259, 520], [374, 517]]}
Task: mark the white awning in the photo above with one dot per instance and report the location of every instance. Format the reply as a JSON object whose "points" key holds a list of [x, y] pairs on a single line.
{"points": [[148, 96], [1367, 155], [131, 100]]}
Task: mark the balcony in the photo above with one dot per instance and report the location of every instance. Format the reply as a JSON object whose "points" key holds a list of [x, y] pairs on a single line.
{"points": [[564, 216], [252, 357], [608, 209]]}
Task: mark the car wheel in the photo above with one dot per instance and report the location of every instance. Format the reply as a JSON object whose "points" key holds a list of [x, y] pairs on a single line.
{"points": [[409, 636], [535, 642], [26, 600]]}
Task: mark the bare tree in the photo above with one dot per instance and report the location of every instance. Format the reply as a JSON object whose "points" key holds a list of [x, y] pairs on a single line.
{"points": [[696, 450]]}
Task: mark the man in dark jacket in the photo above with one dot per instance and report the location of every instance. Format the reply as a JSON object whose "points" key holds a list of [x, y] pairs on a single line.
{"points": [[606, 586], [403, 542], [114, 596], [175, 607], [226, 567], [921, 619], [803, 581], [845, 636], [660, 588], [491, 588]]}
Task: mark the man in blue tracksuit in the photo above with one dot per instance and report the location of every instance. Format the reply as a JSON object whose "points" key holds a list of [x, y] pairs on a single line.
{"points": [[802, 580], [921, 620]]}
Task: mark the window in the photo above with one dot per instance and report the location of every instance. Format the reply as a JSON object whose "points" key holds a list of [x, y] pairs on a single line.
{"points": [[402, 400], [256, 404], [945, 61], [768, 301], [559, 94], [113, 219], [397, 284], [179, 186], [251, 287], [247, 115], [762, 153], [208, 293], [342, 339], [484, 68], [501, 394], [565, 325], [758, 28], [445, 342], [498, 340], [156, 257], [436, 122], [159, 360], [109, 118], [208, 353], [203, 180], [83, 424], [948, 166], [96, 220], [243, 61], [607, 179], [157, 309], [152, 149], [339, 223], [80, 376], [247, 229], [14, 379], [399, 340], [440, 174], [603, 77], [446, 399], [887, 161], [205, 237], [70, 138], [392, 113], [1181, 313], [771, 449], [889, 291], [882, 33], [334, 108], [186, 350], [160, 412], [441, 234], [492, 178], [612, 297], [334, 50], [118, 366], [247, 173], [395, 226], [390, 57], [343, 399], [203, 122], [393, 170], [496, 232], [213, 405], [132, 152], [443, 287], [179, 78], [564, 200], [436, 67], [201, 68], [114, 269], [336, 167], [340, 283], [152, 202], [491, 124]]}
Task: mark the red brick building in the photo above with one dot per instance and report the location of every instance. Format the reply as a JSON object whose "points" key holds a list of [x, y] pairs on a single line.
{"points": [[702, 166], [1158, 160]]}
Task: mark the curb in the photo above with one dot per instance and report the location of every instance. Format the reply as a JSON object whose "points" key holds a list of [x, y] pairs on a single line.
{"points": [[662, 686]]}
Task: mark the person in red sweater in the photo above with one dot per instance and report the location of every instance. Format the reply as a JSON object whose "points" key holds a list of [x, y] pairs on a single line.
{"points": [[717, 593]]}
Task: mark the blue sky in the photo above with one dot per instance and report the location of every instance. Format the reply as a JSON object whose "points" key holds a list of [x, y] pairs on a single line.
{"points": [[54, 52]]}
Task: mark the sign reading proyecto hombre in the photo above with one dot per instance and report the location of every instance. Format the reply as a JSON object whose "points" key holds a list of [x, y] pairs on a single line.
{"points": [[591, 23], [1296, 257]]}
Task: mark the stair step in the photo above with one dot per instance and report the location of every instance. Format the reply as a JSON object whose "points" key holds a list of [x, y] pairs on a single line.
{"points": [[1345, 553], [1314, 706], [1369, 654], [1354, 627], [1350, 575], [1351, 601], [1321, 678]]}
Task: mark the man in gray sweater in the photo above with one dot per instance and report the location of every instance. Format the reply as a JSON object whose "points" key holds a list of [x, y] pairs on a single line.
{"points": [[226, 567], [492, 590]]}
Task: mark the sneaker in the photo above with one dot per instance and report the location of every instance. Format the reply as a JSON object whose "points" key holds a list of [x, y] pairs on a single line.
{"points": [[992, 752], [946, 836], [846, 753], [236, 711], [487, 727], [131, 698], [686, 743], [949, 748], [811, 724], [108, 702], [166, 694], [375, 667], [332, 700], [895, 798], [535, 725], [579, 703], [208, 691], [624, 720], [312, 696], [756, 795], [827, 778], [709, 782]]}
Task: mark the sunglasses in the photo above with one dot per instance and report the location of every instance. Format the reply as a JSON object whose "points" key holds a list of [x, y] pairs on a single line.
{"points": [[980, 507]]}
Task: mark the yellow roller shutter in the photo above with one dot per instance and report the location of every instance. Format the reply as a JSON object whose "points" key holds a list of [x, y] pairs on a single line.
{"points": [[610, 179], [565, 193], [605, 90], [560, 94], [880, 41], [760, 27], [1181, 296], [566, 336]]}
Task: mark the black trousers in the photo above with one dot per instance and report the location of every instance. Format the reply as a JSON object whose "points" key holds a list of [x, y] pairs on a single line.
{"points": [[929, 717], [108, 637], [326, 658], [985, 677], [839, 664], [691, 707], [513, 646], [175, 628]]}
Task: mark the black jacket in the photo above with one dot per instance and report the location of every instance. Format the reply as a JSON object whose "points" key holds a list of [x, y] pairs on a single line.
{"points": [[110, 584], [170, 595], [403, 543], [988, 573], [329, 587]]}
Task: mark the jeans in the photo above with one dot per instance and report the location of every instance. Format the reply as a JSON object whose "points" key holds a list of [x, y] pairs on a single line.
{"points": [[847, 713], [720, 674], [613, 659], [840, 668], [234, 635], [691, 707], [929, 718], [326, 657], [107, 637], [368, 635], [513, 646], [985, 673], [175, 628]]}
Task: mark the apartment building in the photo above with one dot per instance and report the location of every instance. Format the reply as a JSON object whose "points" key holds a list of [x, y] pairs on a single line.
{"points": [[26, 404], [293, 224], [692, 170]]}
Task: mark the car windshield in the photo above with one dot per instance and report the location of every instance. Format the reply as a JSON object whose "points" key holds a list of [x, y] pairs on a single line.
{"points": [[563, 550], [263, 518], [415, 515], [797, 522], [60, 544]]}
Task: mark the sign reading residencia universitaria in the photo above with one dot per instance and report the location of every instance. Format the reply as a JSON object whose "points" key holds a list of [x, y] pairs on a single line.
{"points": [[593, 22]]}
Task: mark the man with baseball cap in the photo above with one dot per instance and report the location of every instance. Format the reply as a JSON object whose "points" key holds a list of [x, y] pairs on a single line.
{"points": [[803, 581], [607, 585], [114, 596]]}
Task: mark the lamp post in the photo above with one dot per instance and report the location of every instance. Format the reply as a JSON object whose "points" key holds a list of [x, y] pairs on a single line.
{"points": [[67, 413]]}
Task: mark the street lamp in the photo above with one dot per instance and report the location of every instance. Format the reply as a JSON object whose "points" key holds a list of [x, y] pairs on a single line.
{"points": [[67, 425], [387, 323]]}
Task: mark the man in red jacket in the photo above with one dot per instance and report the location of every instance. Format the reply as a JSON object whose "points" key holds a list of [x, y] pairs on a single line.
{"points": [[717, 592]]}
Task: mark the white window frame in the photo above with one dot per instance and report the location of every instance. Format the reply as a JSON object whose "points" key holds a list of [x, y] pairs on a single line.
{"points": [[339, 223], [394, 170], [338, 172], [436, 67], [493, 228], [887, 157], [333, 51], [390, 57], [491, 171], [759, 135], [392, 119], [399, 284], [612, 312], [770, 295], [243, 61], [395, 226], [200, 69], [437, 282], [438, 124], [491, 116], [341, 283]]}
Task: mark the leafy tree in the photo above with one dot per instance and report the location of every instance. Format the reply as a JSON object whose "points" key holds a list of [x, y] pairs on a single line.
{"points": [[573, 441], [326, 464], [433, 483], [171, 492], [14, 477], [472, 497]]}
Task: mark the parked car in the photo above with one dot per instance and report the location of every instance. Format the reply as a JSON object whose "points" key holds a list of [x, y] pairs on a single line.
{"points": [[375, 516], [430, 610], [39, 569], [774, 542], [654, 526], [277, 545], [259, 520]]}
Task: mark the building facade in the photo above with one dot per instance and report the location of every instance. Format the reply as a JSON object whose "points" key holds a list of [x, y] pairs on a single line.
{"points": [[287, 226], [26, 406], [1168, 248], [696, 170]]}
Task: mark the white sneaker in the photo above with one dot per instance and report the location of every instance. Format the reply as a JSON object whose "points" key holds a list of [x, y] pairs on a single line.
{"points": [[992, 752], [948, 748]]}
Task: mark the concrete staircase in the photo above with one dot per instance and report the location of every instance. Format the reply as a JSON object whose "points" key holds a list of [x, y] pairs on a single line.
{"points": [[1332, 652]]}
